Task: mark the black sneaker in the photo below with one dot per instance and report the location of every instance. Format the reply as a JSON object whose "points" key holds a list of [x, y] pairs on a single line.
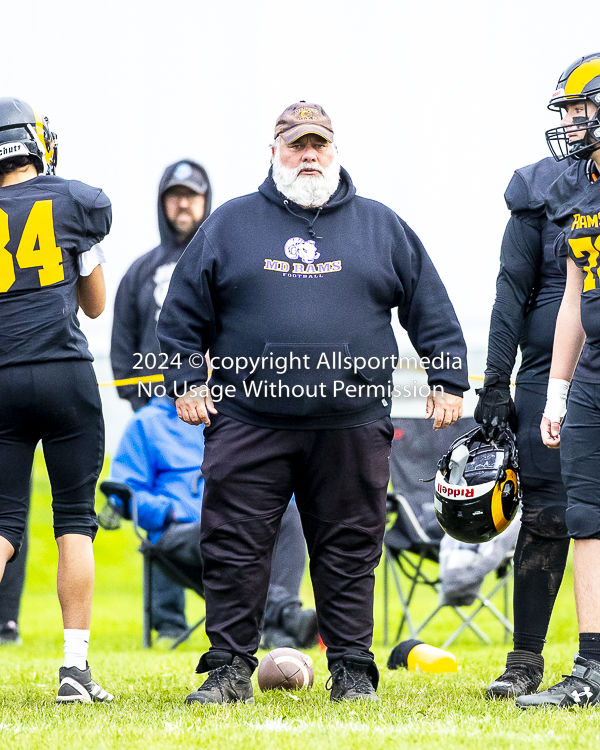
{"points": [[301, 624], [522, 676], [77, 686], [9, 634], [352, 679], [228, 681], [580, 688]]}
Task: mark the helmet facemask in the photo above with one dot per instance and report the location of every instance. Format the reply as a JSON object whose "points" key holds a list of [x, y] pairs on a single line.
{"points": [[562, 147]]}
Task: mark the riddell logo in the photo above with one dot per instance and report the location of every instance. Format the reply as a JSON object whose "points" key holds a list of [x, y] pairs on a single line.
{"points": [[455, 491]]}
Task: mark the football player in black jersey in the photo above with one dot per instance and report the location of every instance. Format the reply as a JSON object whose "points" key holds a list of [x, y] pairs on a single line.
{"points": [[573, 203], [49, 267], [530, 286]]}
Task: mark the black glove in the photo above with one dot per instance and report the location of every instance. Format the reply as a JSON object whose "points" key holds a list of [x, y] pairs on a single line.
{"points": [[495, 407]]}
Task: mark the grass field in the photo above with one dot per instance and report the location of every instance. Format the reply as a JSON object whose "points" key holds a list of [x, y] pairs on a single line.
{"points": [[416, 710]]}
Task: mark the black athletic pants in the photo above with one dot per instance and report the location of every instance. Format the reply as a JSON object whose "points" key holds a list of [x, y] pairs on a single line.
{"points": [[58, 404], [339, 478], [543, 542]]}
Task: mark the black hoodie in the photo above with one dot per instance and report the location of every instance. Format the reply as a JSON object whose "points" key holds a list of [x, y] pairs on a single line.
{"points": [[140, 296], [266, 278]]}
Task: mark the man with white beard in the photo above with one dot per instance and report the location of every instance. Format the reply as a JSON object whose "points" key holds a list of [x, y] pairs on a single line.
{"points": [[292, 289]]}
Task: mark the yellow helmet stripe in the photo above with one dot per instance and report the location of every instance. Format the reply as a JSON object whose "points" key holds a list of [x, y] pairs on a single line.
{"points": [[581, 76], [39, 129], [498, 517]]}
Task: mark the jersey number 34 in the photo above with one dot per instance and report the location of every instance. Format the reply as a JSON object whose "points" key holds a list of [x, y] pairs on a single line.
{"points": [[39, 230]]}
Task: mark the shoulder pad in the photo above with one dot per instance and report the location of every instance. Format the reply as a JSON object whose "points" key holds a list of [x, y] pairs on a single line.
{"points": [[89, 197], [563, 191], [528, 187]]}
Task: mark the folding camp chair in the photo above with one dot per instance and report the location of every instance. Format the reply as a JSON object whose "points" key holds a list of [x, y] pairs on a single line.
{"points": [[412, 542], [184, 570]]}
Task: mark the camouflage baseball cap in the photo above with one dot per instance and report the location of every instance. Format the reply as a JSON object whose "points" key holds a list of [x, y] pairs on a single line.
{"points": [[302, 118]]}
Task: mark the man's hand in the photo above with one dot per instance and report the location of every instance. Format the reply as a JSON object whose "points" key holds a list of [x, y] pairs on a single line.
{"points": [[195, 406], [550, 433], [444, 408]]}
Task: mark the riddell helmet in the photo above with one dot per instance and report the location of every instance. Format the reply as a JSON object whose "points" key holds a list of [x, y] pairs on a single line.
{"points": [[480, 503], [580, 82], [24, 133]]}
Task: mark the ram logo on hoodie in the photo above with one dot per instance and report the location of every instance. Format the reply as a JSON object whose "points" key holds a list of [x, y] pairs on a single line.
{"points": [[305, 250]]}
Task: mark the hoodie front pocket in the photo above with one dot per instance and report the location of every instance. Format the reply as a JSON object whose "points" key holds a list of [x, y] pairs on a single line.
{"points": [[308, 380]]}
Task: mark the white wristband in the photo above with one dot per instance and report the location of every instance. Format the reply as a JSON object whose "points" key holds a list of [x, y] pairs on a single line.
{"points": [[90, 259], [556, 400]]}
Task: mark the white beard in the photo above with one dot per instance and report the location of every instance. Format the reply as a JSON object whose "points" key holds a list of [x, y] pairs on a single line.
{"points": [[308, 191]]}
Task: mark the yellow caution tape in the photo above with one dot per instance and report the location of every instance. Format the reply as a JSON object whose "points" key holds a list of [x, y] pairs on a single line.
{"points": [[161, 379], [134, 381]]}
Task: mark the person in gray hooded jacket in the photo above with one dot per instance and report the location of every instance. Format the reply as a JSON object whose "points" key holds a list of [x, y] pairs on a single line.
{"points": [[184, 202]]}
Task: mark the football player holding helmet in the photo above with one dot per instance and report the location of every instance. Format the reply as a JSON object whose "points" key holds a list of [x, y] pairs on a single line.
{"points": [[477, 487]]}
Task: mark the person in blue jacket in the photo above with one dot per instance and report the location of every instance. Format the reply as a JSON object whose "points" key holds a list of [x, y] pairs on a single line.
{"points": [[159, 458]]}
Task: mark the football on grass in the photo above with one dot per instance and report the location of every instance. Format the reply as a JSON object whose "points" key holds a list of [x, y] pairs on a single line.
{"points": [[285, 669]]}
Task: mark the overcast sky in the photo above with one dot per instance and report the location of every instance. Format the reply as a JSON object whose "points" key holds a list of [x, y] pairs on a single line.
{"points": [[434, 105]]}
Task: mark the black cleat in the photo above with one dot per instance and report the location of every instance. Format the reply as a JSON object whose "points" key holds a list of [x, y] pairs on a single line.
{"points": [[580, 688], [522, 676], [77, 686], [228, 681], [352, 679]]}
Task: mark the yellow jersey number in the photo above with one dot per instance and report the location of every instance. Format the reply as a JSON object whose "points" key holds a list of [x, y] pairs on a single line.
{"points": [[581, 247], [39, 230]]}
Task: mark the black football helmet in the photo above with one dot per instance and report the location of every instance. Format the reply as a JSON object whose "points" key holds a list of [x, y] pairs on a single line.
{"points": [[24, 133], [579, 83], [481, 503]]}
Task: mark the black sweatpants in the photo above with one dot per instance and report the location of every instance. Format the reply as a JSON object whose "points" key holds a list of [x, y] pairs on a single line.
{"points": [[339, 478]]}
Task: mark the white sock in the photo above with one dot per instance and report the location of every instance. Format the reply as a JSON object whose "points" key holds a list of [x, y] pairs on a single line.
{"points": [[76, 647]]}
